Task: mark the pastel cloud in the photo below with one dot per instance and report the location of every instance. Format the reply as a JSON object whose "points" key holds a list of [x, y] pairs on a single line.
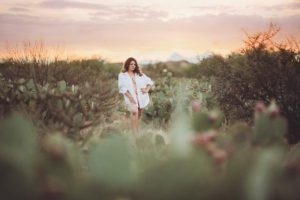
{"points": [[64, 4], [131, 13], [150, 32], [19, 9], [292, 6], [115, 30]]}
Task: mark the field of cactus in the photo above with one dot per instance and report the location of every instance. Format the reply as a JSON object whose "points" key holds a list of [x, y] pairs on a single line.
{"points": [[224, 128], [195, 158]]}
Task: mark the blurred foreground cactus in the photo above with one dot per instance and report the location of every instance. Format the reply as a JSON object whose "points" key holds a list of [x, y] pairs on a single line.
{"points": [[269, 126], [219, 165]]}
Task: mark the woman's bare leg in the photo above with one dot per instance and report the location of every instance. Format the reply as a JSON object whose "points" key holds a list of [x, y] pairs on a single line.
{"points": [[134, 120], [139, 113]]}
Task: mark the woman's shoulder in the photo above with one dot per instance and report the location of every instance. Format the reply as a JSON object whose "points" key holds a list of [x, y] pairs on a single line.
{"points": [[122, 73]]}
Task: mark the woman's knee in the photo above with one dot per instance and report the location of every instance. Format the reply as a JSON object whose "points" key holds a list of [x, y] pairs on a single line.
{"points": [[134, 113], [140, 112]]}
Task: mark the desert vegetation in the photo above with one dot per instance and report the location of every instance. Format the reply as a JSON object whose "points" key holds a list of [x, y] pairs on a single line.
{"points": [[224, 128]]}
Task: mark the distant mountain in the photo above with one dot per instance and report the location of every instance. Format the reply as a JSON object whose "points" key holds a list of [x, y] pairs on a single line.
{"points": [[146, 62], [176, 57], [192, 59]]}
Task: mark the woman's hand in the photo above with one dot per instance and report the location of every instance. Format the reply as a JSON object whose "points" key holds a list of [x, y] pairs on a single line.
{"points": [[146, 89], [132, 100]]}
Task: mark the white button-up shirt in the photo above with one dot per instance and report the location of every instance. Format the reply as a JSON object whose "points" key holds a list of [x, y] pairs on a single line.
{"points": [[125, 83]]}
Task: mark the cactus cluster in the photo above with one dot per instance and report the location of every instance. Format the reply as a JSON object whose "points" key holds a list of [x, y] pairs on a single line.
{"points": [[164, 96], [58, 106]]}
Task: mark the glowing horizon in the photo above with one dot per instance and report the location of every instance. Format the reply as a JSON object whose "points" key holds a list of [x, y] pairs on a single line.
{"points": [[152, 31]]}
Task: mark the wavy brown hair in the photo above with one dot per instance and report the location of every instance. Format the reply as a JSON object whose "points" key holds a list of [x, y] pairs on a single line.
{"points": [[137, 69]]}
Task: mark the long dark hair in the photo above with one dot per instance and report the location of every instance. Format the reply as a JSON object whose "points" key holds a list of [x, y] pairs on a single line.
{"points": [[137, 69]]}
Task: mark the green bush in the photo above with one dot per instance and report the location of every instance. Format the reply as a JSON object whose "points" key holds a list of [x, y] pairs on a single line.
{"points": [[58, 107], [59, 95], [263, 71]]}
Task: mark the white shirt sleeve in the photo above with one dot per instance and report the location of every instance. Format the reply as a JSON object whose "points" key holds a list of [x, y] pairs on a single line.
{"points": [[148, 81], [121, 84]]}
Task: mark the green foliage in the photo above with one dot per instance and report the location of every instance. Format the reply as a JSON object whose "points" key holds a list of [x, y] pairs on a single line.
{"points": [[264, 70], [59, 106], [265, 175], [164, 97], [148, 167], [210, 66], [269, 127], [201, 156], [162, 100], [59, 95], [110, 163], [157, 70], [59, 167], [178, 179], [205, 120], [18, 154], [44, 71]]}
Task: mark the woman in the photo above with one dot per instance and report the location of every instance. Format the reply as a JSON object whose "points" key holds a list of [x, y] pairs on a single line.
{"points": [[134, 85]]}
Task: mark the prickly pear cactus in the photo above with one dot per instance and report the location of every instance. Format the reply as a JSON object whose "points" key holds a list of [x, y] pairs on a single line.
{"points": [[18, 155], [269, 126], [59, 107], [203, 120]]}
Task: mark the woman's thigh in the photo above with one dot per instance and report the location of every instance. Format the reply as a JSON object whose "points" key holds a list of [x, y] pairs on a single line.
{"points": [[133, 109]]}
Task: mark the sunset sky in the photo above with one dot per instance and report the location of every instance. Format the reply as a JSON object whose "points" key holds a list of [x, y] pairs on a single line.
{"points": [[147, 30]]}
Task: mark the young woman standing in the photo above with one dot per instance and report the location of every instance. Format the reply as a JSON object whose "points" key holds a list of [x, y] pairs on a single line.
{"points": [[134, 85]]}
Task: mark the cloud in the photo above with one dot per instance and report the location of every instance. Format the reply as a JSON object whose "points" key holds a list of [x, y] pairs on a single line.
{"points": [[108, 12], [288, 6], [141, 12], [295, 5], [222, 8], [206, 32], [19, 9], [65, 4], [132, 13], [20, 18], [105, 12]]}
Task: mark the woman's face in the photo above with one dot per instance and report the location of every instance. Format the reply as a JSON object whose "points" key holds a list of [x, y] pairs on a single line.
{"points": [[132, 66]]}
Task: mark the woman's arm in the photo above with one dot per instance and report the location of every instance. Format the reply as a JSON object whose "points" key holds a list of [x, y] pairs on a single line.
{"points": [[148, 82], [121, 84], [146, 89], [123, 89], [131, 99]]}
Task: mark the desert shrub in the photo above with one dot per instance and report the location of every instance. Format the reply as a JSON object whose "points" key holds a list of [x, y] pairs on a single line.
{"points": [[207, 67], [177, 68], [264, 70], [36, 60], [59, 95]]}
